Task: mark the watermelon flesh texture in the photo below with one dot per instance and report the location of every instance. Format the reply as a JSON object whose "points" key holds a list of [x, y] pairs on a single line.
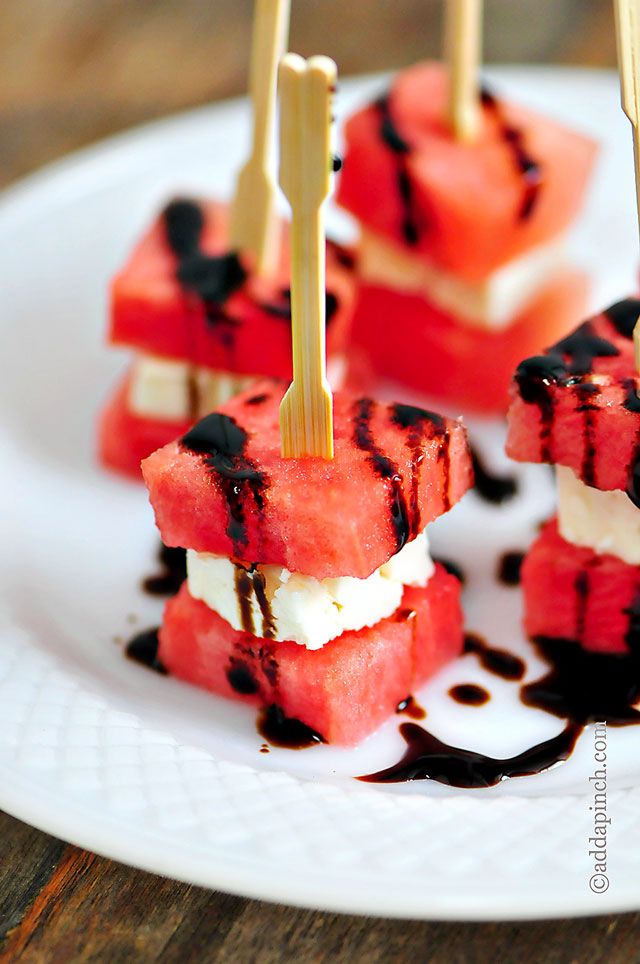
{"points": [[249, 334], [573, 593], [579, 409], [470, 207], [407, 339], [395, 469], [343, 691]]}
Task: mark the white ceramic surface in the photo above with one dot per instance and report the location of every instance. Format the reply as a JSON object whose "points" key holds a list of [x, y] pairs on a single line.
{"points": [[149, 771]]}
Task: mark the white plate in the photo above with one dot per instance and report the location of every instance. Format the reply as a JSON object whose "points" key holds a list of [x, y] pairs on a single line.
{"points": [[149, 771]]}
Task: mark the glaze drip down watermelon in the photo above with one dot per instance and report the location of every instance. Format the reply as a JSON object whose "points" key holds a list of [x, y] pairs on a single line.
{"points": [[343, 691], [225, 489], [467, 207], [183, 295], [576, 594], [577, 405]]}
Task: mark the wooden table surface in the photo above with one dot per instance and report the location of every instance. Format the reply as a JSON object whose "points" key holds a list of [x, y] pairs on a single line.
{"points": [[75, 70]]}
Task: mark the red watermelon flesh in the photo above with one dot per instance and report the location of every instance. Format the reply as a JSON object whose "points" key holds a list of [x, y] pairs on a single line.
{"points": [[343, 691], [395, 469], [409, 340], [576, 405], [125, 438], [573, 593], [247, 332], [468, 207]]}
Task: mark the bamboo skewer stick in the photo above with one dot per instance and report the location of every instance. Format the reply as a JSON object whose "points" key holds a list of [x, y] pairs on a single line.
{"points": [[253, 215], [306, 88], [628, 42], [463, 45]]}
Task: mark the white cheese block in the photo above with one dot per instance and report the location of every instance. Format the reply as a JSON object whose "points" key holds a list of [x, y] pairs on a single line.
{"points": [[303, 609], [607, 522], [492, 304], [162, 388]]}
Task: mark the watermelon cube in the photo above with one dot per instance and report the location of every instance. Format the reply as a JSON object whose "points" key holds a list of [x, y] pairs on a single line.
{"points": [[343, 691], [224, 488], [573, 593], [183, 295], [577, 405], [467, 207], [445, 358]]}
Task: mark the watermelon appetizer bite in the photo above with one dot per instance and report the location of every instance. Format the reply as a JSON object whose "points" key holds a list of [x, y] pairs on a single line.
{"points": [[203, 326], [461, 254], [577, 407], [310, 590]]}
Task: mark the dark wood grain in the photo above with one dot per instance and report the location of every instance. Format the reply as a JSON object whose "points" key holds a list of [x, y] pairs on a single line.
{"points": [[76, 70], [61, 904]]}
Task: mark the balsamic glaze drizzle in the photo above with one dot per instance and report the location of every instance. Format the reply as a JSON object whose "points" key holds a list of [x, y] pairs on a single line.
{"points": [[469, 694], [280, 730], [143, 649], [514, 138], [495, 489], [400, 148], [282, 308], [452, 568], [409, 707], [173, 573], [586, 687], [222, 443], [416, 421], [497, 661], [240, 677], [385, 468], [564, 364], [623, 315], [428, 758], [213, 279], [509, 566]]}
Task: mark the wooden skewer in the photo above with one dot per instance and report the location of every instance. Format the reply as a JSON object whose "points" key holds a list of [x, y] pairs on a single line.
{"points": [[306, 88], [463, 45], [253, 215], [628, 41]]}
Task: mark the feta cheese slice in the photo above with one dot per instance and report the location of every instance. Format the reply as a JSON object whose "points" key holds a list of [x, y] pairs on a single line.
{"points": [[491, 304], [607, 522], [300, 608], [162, 388]]}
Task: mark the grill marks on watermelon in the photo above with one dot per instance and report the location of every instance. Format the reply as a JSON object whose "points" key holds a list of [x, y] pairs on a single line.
{"points": [[405, 516], [222, 442]]}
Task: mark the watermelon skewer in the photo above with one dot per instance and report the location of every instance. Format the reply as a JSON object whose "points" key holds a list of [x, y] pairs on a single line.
{"points": [[576, 406], [464, 201], [204, 299], [310, 592]]}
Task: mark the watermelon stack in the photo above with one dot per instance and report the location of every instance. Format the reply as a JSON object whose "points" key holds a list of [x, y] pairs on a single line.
{"points": [[577, 407], [460, 255], [324, 528], [203, 326]]}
